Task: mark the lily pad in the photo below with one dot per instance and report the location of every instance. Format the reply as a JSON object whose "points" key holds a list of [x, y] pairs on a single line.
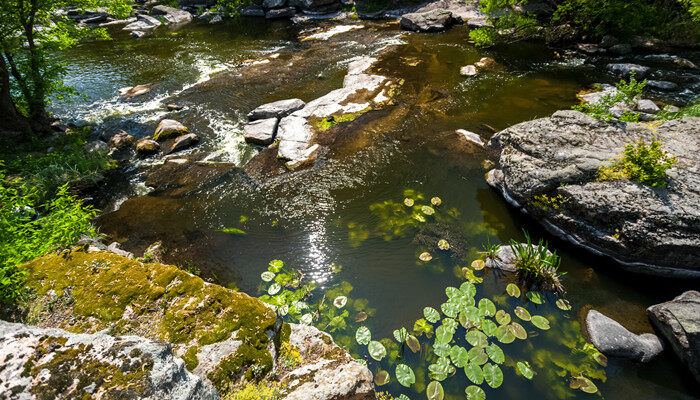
{"points": [[408, 202], [431, 315], [425, 256], [459, 356], [504, 334], [468, 288], [495, 353], [475, 393], [449, 309], [363, 335], [435, 391], [451, 292], [381, 378], [361, 316], [535, 297], [502, 317], [275, 266], [474, 373], [405, 375], [443, 245], [493, 375], [340, 301], [478, 355], [517, 330], [436, 201], [471, 313], [540, 322], [441, 349], [525, 370], [427, 210], [306, 319], [476, 338], [513, 290], [564, 304], [450, 323], [487, 307], [522, 313], [478, 265], [401, 335], [274, 289], [376, 350], [267, 276], [489, 327], [413, 343], [443, 334]]}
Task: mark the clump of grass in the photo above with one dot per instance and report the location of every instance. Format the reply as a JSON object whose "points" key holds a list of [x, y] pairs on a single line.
{"points": [[641, 163], [536, 265], [626, 94], [491, 251]]}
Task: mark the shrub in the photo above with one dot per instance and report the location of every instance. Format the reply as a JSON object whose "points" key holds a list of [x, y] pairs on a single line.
{"points": [[507, 23], [536, 265], [29, 229], [626, 94], [642, 163]]}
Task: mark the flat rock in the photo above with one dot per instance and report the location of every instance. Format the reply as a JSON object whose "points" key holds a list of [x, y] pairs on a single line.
{"points": [[428, 21], [663, 85], [678, 321], [627, 69], [471, 137], [277, 109], [645, 229], [168, 128], [621, 49], [171, 15], [261, 132], [646, 106], [274, 3], [253, 11], [468, 70], [590, 48], [53, 363], [183, 142], [613, 339], [143, 24], [279, 13]]}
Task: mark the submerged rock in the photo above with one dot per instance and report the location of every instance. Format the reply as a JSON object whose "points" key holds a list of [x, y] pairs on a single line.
{"points": [[168, 128], [612, 339], [429, 21], [261, 132], [627, 69], [183, 142], [253, 11], [678, 321], [548, 169], [663, 85], [277, 109], [53, 363]]}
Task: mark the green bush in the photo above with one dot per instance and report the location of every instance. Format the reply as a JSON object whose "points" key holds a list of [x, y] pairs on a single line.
{"points": [[29, 229], [642, 163], [536, 265], [626, 94], [507, 24]]}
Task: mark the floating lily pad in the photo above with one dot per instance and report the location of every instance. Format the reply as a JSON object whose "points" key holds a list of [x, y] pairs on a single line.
{"points": [[435, 391], [381, 378], [564, 304], [452, 292], [427, 210], [495, 353], [525, 370], [408, 202], [486, 307], [436, 201], [376, 350], [443, 245], [443, 334], [459, 356], [274, 289], [471, 313], [275, 266], [441, 349], [450, 323], [584, 384], [361, 316], [535, 297], [468, 289], [431, 315], [363, 335], [401, 335], [475, 393], [489, 327], [476, 338], [405, 375], [522, 313], [340, 301], [540, 322], [449, 309], [478, 355], [502, 317], [513, 290], [283, 310], [492, 375], [425, 256], [517, 330], [504, 334], [413, 343], [419, 218], [402, 397], [601, 359], [478, 265], [474, 373]]}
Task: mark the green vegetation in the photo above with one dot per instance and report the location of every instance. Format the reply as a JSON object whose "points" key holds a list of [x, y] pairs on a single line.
{"points": [[537, 265], [324, 124], [263, 390], [641, 163], [507, 23], [625, 95]]}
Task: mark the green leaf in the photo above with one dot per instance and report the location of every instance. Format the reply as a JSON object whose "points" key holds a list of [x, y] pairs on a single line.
{"points": [[234, 231], [517, 330], [489, 327], [402, 397], [535, 297], [452, 292], [449, 309], [427, 210], [495, 353], [441, 349], [363, 335], [493, 375], [540, 322], [504, 334], [450, 323], [525, 370], [275, 266], [478, 356], [468, 288], [274, 289], [502, 317], [474, 373], [459, 356], [381, 378], [564, 304], [486, 307], [401, 335], [522, 313], [513, 290], [475, 393], [435, 391], [443, 334], [413, 343], [267, 276], [471, 313], [376, 350], [431, 315], [476, 338], [405, 375]]}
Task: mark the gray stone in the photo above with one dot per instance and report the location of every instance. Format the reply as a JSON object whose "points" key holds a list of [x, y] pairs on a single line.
{"points": [[278, 13], [168, 128], [172, 15], [121, 140], [277, 109], [274, 3], [663, 85], [183, 142], [608, 41], [311, 5], [471, 137], [621, 49], [216, 19], [612, 339], [678, 321], [115, 248], [144, 23], [52, 372], [626, 69], [147, 146], [253, 11], [429, 21], [95, 146], [590, 48], [261, 132], [468, 70], [645, 229], [647, 106]]}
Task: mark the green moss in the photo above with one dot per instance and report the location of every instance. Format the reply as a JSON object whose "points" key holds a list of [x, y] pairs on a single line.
{"points": [[190, 358], [249, 360], [324, 124]]}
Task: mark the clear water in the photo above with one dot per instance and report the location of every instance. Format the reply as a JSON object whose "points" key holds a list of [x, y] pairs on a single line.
{"points": [[316, 217]]}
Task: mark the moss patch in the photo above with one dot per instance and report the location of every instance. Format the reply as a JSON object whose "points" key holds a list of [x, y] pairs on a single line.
{"points": [[324, 124]]}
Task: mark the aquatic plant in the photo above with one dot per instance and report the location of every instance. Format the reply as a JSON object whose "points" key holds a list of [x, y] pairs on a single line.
{"points": [[641, 163], [491, 251], [536, 265]]}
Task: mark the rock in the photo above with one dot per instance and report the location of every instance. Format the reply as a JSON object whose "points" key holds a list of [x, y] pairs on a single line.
{"points": [[281, 13], [327, 372], [313, 5], [183, 142], [278, 109], [154, 252], [261, 132], [468, 70], [672, 109], [644, 229], [168, 128], [174, 107], [138, 34], [53, 363], [430, 21], [143, 24], [596, 97], [171, 15], [678, 321], [115, 248], [663, 85], [274, 3], [118, 22], [253, 11], [95, 146], [590, 48], [147, 147], [127, 93], [121, 140], [612, 339], [608, 41], [626, 69], [684, 62], [216, 19], [621, 49], [471, 137], [646, 106], [486, 64]]}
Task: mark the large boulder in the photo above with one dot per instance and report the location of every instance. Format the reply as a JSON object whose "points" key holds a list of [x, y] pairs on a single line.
{"points": [[53, 364], [548, 168], [613, 339], [277, 109], [171, 15], [678, 321], [183, 142], [429, 21], [168, 128], [144, 23], [261, 132]]}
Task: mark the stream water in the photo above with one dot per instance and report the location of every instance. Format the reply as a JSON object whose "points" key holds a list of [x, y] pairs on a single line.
{"points": [[337, 212]]}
